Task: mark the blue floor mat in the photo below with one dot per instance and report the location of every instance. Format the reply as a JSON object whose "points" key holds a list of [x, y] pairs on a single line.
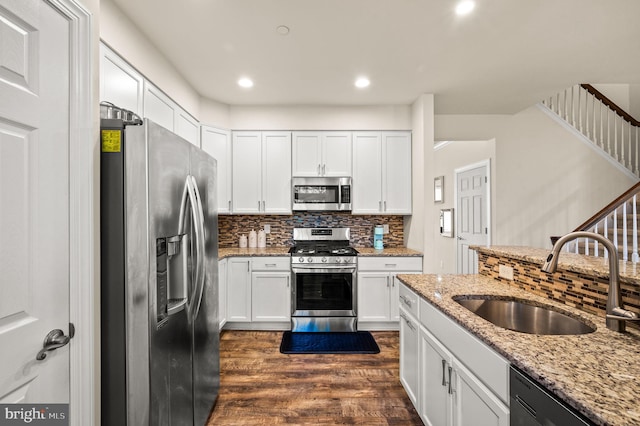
{"points": [[359, 342]]}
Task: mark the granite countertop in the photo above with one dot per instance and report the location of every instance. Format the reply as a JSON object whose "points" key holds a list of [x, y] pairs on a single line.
{"points": [[590, 265], [596, 373], [264, 251], [389, 251], [284, 251]]}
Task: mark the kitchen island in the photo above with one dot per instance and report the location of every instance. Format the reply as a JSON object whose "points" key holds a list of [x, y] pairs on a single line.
{"points": [[598, 373]]}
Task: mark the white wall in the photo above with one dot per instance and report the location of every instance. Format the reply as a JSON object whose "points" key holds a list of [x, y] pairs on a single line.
{"points": [[117, 31], [329, 117], [547, 181], [447, 159]]}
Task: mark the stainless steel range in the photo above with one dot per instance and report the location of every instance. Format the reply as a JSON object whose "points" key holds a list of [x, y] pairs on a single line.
{"points": [[324, 295]]}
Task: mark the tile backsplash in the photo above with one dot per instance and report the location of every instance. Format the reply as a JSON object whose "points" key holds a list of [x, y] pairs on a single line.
{"points": [[581, 291], [230, 227]]}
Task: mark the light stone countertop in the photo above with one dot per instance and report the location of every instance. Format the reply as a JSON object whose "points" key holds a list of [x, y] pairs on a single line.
{"points": [[284, 251], [590, 265], [391, 251], [249, 252], [596, 373]]}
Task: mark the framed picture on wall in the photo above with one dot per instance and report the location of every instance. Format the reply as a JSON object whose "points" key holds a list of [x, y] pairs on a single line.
{"points": [[438, 189], [446, 223]]}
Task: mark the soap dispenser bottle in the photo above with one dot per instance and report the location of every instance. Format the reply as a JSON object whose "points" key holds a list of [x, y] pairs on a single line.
{"points": [[377, 237]]}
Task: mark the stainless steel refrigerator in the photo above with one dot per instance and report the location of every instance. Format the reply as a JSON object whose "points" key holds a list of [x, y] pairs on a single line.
{"points": [[159, 278]]}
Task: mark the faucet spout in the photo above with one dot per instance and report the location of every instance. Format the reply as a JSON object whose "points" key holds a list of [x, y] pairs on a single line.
{"points": [[616, 315]]}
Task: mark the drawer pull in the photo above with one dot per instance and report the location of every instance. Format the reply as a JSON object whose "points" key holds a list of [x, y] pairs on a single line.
{"points": [[450, 390], [391, 265], [444, 367], [406, 301]]}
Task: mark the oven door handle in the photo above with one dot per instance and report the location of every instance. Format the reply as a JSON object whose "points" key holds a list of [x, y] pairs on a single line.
{"points": [[323, 270]]}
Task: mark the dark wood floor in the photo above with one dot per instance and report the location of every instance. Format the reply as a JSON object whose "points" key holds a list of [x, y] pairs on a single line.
{"points": [[261, 386]]}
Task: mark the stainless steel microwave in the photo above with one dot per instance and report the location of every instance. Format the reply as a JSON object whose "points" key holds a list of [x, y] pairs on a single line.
{"points": [[321, 193]]}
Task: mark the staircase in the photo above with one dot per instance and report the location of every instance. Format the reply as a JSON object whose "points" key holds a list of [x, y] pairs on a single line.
{"points": [[618, 221], [604, 124], [615, 134]]}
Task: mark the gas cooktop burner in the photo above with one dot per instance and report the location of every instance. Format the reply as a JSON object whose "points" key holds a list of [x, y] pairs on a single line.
{"points": [[322, 246], [323, 250]]}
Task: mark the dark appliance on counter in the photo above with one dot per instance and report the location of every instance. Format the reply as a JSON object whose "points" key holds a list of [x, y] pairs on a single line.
{"points": [[324, 294], [321, 193], [532, 405], [159, 277]]}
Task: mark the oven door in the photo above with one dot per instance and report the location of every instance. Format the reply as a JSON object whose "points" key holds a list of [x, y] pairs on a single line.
{"points": [[323, 292]]}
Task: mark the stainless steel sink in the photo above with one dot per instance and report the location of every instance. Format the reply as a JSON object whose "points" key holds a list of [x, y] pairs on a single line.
{"points": [[523, 316]]}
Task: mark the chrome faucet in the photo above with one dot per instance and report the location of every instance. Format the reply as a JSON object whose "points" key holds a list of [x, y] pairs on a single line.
{"points": [[616, 315]]}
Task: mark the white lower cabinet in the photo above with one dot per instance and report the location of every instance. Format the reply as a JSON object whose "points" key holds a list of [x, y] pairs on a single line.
{"points": [[461, 381], [409, 359], [258, 293], [222, 293], [378, 289], [271, 296], [239, 289]]}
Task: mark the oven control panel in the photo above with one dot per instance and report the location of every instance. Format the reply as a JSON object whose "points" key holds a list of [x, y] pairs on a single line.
{"points": [[323, 260]]}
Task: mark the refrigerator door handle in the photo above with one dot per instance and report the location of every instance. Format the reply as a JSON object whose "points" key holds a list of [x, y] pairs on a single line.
{"points": [[200, 248]]}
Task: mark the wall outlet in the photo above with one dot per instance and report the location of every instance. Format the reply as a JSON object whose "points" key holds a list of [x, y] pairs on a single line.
{"points": [[385, 229], [267, 229], [505, 272]]}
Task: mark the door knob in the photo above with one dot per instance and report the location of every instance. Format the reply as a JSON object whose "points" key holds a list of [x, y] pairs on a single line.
{"points": [[55, 339]]}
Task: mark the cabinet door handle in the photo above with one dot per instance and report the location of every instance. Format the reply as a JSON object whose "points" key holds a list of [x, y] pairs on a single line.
{"points": [[379, 206], [387, 282], [264, 205], [444, 379], [324, 166], [258, 205], [406, 301], [288, 281], [318, 169], [408, 322], [450, 389], [385, 206], [229, 205]]}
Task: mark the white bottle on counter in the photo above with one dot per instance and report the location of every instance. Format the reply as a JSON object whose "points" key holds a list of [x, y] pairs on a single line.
{"points": [[253, 239], [242, 243], [262, 239]]}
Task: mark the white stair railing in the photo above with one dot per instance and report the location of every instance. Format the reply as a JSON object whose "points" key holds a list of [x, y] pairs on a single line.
{"points": [[620, 225], [611, 130]]}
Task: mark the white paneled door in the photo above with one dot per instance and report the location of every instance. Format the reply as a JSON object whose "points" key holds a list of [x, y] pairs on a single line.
{"points": [[472, 212], [34, 201]]}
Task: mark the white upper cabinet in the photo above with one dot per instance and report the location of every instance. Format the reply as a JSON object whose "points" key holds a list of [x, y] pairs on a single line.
{"points": [[321, 154], [381, 173], [217, 143], [120, 84], [158, 107], [125, 87], [261, 172], [161, 109], [187, 126]]}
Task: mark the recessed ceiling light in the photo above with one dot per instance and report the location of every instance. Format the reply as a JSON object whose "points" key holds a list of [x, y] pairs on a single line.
{"points": [[465, 7], [362, 82], [245, 82], [282, 30]]}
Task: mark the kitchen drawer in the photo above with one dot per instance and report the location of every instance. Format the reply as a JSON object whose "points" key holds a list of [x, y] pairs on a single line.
{"points": [[390, 263], [486, 364], [271, 263], [409, 300]]}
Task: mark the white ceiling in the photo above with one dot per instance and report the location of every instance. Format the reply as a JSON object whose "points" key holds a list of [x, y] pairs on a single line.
{"points": [[505, 56]]}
